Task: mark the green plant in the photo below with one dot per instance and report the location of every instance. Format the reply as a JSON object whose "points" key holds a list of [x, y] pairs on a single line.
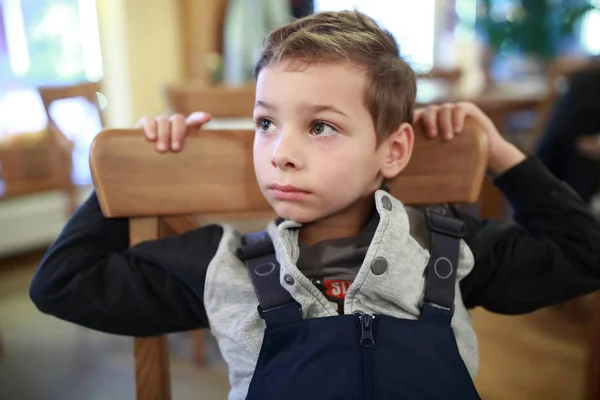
{"points": [[532, 27]]}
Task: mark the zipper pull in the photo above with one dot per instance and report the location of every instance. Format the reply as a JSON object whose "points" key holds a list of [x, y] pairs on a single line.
{"points": [[366, 335]]}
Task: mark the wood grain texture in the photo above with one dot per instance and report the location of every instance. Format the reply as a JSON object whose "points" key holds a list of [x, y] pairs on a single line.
{"points": [[152, 376], [215, 174]]}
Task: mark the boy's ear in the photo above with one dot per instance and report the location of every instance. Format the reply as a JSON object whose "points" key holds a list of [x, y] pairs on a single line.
{"points": [[397, 151]]}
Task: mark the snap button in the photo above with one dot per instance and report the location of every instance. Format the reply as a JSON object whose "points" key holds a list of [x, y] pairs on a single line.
{"points": [[379, 266], [443, 268], [288, 279], [386, 203], [319, 284], [265, 269]]}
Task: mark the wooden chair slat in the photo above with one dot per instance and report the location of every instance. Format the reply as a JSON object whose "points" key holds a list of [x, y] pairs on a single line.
{"points": [[214, 174], [152, 353]]}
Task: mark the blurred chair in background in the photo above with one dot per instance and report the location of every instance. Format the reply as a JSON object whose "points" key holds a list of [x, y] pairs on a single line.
{"points": [[220, 101], [449, 76], [76, 112], [87, 90], [36, 162]]}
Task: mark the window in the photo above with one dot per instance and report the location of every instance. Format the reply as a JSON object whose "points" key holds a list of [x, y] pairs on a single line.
{"points": [[590, 29], [411, 22], [49, 42]]}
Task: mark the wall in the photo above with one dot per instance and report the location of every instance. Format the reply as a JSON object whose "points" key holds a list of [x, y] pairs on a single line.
{"points": [[141, 52]]}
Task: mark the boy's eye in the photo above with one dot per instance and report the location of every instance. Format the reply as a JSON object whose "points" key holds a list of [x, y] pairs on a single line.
{"points": [[320, 128], [265, 125]]}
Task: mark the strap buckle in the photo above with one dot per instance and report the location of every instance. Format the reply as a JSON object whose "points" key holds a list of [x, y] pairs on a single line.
{"points": [[255, 245], [435, 305], [448, 226], [284, 314]]}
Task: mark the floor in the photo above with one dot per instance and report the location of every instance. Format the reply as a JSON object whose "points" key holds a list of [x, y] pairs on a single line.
{"points": [[538, 356]]}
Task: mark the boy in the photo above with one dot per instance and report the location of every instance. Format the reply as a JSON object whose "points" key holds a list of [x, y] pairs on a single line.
{"points": [[333, 109]]}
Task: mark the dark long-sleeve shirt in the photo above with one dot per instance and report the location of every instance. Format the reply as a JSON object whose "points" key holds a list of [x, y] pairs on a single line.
{"points": [[89, 276]]}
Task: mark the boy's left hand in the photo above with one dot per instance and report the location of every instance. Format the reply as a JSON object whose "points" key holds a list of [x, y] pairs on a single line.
{"points": [[448, 121]]}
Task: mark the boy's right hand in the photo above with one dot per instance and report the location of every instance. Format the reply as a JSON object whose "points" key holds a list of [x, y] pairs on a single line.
{"points": [[169, 132]]}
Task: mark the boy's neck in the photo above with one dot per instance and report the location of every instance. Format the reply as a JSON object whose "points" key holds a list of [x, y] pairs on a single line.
{"points": [[346, 223]]}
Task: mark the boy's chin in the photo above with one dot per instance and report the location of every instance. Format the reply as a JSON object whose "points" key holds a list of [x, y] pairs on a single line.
{"points": [[296, 212]]}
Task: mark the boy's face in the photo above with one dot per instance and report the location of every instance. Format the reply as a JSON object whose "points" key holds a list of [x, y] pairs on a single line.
{"points": [[315, 149]]}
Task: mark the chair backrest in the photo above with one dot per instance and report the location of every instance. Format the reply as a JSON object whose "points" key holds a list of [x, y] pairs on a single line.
{"points": [[220, 101], [449, 76], [35, 162], [87, 90], [214, 175]]}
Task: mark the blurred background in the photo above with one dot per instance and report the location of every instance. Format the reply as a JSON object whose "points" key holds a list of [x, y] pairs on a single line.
{"points": [[68, 68]]}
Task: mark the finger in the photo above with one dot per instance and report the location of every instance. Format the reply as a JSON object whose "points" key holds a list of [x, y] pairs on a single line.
{"points": [[430, 121], [459, 114], [149, 127], [197, 119], [178, 131], [140, 123], [418, 114], [163, 133], [445, 121]]}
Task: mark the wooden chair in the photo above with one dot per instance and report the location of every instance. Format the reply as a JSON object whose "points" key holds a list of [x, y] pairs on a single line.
{"points": [[87, 90], [220, 101], [215, 175], [60, 147], [36, 162], [449, 76]]}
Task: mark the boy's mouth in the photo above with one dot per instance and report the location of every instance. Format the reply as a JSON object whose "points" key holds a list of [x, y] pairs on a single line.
{"points": [[287, 192]]}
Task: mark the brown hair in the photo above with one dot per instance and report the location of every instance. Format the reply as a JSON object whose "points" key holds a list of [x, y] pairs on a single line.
{"points": [[351, 36]]}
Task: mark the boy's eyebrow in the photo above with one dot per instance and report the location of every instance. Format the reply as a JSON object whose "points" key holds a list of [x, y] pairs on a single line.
{"points": [[311, 107], [264, 104], [325, 107]]}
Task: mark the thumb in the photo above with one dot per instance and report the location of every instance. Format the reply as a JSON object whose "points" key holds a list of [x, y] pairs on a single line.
{"points": [[197, 119]]}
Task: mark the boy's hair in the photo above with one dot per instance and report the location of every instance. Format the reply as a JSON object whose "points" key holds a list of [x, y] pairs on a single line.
{"points": [[351, 36]]}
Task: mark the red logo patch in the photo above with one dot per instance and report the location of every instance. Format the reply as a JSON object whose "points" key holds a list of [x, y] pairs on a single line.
{"points": [[336, 288]]}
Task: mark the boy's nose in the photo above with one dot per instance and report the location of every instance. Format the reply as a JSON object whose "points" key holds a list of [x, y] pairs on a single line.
{"points": [[286, 154], [283, 161]]}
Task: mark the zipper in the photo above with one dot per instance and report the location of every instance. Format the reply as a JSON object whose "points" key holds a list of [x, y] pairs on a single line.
{"points": [[367, 341]]}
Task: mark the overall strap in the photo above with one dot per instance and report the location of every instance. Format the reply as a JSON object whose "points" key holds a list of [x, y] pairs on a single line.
{"points": [[440, 286], [276, 305]]}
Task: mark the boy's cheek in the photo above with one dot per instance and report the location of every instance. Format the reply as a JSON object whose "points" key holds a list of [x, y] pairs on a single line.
{"points": [[261, 159]]}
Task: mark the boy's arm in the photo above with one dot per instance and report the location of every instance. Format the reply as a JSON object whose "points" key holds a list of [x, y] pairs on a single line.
{"points": [[90, 277], [551, 255]]}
